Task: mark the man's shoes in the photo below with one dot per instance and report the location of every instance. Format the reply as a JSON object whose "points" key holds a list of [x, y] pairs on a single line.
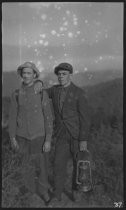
{"points": [[45, 197], [54, 201], [70, 195]]}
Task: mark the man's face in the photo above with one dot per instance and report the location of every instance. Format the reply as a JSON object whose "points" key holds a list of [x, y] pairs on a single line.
{"points": [[63, 77], [28, 76]]}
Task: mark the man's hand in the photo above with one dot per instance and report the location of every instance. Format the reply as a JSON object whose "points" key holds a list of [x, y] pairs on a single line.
{"points": [[14, 144], [38, 86], [47, 146], [83, 145]]}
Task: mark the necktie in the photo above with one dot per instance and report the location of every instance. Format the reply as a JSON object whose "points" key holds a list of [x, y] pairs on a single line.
{"points": [[62, 97]]}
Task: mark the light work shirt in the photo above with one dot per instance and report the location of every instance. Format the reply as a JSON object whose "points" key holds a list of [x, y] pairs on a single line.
{"points": [[31, 116]]}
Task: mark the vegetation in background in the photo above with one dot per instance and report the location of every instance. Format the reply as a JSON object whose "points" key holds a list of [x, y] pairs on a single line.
{"points": [[105, 144]]}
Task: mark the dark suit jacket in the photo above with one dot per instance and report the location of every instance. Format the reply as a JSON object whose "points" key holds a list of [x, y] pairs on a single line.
{"points": [[75, 112]]}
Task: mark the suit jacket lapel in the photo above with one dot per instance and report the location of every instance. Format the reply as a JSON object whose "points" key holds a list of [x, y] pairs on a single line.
{"points": [[58, 98], [67, 95]]}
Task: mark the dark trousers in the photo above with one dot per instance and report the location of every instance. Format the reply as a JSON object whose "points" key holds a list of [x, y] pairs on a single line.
{"points": [[65, 148], [34, 164]]}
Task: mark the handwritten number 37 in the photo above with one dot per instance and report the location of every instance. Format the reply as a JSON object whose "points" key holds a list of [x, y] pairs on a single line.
{"points": [[118, 204]]}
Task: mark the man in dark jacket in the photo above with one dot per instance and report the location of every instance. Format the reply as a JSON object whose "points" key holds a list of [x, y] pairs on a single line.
{"points": [[71, 127]]}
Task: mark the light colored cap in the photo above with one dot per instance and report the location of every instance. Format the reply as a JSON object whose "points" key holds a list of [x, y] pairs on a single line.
{"points": [[28, 65]]}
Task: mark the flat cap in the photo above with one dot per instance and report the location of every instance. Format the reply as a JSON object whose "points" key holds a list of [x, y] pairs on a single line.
{"points": [[28, 65], [65, 67]]}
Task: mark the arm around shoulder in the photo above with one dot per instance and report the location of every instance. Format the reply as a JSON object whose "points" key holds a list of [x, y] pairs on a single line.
{"points": [[48, 117]]}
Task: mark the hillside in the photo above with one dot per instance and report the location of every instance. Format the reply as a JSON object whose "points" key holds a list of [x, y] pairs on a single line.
{"points": [[108, 95], [12, 81], [105, 144]]}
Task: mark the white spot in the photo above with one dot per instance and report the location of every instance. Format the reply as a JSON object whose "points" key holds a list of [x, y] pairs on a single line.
{"points": [[70, 34], [65, 23], [57, 7], [67, 12], [90, 76], [83, 39], [53, 32], [76, 71], [74, 16], [75, 19], [38, 5], [43, 17], [97, 23], [40, 41], [65, 29], [106, 36], [99, 32], [64, 18], [50, 57], [78, 32], [35, 42], [85, 69], [46, 43], [61, 29], [63, 44], [86, 21], [96, 36], [90, 5], [38, 63], [75, 23], [111, 57], [99, 13], [43, 35]]}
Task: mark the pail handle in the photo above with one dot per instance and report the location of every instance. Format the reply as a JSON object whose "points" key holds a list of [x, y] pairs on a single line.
{"points": [[82, 151]]}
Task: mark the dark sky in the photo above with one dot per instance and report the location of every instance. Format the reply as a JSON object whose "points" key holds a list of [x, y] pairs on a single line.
{"points": [[86, 34]]}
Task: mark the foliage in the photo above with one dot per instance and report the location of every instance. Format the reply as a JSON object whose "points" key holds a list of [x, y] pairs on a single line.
{"points": [[105, 144]]}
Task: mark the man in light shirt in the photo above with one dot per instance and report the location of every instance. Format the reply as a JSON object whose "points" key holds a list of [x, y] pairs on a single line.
{"points": [[30, 130]]}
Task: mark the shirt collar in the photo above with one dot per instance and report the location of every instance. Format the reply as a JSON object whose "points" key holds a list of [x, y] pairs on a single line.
{"points": [[23, 86], [66, 86]]}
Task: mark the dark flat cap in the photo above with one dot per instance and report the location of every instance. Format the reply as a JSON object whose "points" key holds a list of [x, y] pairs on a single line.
{"points": [[28, 65], [65, 67]]}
